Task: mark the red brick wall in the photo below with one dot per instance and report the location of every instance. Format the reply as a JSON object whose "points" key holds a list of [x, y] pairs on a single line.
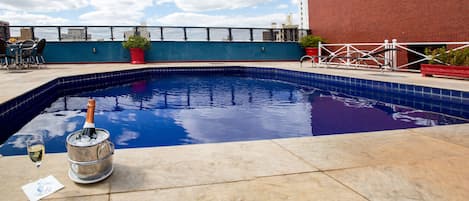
{"points": [[345, 21]]}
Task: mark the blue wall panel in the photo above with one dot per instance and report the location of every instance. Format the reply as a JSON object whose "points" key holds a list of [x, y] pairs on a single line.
{"points": [[109, 51]]}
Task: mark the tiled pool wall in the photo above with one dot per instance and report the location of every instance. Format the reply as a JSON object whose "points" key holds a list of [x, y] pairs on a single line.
{"points": [[20, 110], [452, 102]]}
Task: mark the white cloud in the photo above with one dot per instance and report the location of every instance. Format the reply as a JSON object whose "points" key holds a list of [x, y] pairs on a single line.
{"points": [[282, 6], [64, 122], [118, 12], [121, 5], [204, 125], [195, 19], [160, 2], [42, 5], [108, 17], [207, 5], [24, 18], [126, 136]]}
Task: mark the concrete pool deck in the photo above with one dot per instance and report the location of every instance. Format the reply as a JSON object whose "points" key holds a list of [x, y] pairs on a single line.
{"points": [[411, 164]]}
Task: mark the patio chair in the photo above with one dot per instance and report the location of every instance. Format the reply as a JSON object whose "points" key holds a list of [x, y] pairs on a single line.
{"points": [[27, 48], [38, 52], [4, 55]]}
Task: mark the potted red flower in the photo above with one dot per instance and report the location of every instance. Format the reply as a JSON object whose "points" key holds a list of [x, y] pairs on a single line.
{"points": [[136, 45], [311, 43], [451, 63]]}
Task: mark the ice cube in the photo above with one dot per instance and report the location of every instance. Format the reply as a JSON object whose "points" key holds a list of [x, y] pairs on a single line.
{"points": [[84, 138]]}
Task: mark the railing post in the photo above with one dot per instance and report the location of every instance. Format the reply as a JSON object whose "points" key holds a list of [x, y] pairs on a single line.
{"points": [[112, 34], [386, 53], [230, 36], [319, 52], [251, 35], [208, 34], [272, 35], [161, 33], [32, 33], [348, 54], [60, 33], [394, 54], [86, 33], [185, 33]]}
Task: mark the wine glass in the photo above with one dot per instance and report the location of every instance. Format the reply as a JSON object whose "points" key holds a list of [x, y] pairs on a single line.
{"points": [[36, 149], [36, 152]]}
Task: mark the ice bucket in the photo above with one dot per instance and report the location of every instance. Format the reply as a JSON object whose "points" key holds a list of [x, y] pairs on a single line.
{"points": [[90, 161]]}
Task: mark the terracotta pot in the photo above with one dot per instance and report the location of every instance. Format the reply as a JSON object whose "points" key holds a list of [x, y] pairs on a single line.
{"points": [[137, 56], [312, 51], [429, 70]]}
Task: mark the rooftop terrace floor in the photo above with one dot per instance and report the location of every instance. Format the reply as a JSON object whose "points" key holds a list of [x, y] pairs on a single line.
{"points": [[411, 164]]}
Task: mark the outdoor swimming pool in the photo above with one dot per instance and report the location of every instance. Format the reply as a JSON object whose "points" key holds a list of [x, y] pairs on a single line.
{"points": [[190, 108]]}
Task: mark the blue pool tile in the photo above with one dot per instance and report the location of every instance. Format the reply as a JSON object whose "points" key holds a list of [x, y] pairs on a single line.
{"points": [[427, 90], [418, 89], [409, 87], [445, 110], [418, 105], [455, 93], [465, 95], [465, 115], [388, 85], [402, 87], [436, 91], [445, 92]]}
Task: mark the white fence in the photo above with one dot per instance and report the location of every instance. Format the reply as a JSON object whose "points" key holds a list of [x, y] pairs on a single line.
{"points": [[386, 55]]}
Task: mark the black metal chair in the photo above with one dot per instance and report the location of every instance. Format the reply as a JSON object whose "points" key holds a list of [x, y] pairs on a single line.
{"points": [[27, 47], [4, 54], [38, 52]]}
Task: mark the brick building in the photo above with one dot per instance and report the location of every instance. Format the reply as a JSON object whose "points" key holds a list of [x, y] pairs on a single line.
{"points": [[375, 20], [357, 21]]}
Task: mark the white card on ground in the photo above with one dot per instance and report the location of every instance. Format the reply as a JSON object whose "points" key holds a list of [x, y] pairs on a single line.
{"points": [[49, 185]]}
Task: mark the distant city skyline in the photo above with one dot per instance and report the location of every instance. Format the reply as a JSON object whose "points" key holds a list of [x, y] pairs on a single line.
{"points": [[234, 13]]}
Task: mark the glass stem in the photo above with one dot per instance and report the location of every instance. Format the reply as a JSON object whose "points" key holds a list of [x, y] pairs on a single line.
{"points": [[39, 181]]}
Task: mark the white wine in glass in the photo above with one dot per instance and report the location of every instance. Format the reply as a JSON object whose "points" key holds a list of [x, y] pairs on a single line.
{"points": [[36, 149], [36, 152]]}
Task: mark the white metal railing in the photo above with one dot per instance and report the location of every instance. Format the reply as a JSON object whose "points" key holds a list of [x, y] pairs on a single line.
{"points": [[402, 46], [356, 54], [378, 55]]}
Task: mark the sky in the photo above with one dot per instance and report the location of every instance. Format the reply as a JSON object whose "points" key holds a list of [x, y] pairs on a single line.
{"points": [[234, 13]]}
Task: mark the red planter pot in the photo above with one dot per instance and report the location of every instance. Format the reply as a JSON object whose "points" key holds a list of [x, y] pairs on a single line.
{"points": [[429, 70], [312, 51], [137, 56]]}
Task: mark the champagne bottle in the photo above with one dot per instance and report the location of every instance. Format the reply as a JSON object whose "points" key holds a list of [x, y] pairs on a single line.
{"points": [[89, 128]]}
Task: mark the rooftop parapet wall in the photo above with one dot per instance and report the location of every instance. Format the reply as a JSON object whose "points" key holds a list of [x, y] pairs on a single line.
{"points": [[405, 20], [167, 51]]}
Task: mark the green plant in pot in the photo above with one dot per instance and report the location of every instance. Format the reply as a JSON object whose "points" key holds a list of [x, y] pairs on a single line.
{"points": [[453, 63], [136, 45], [442, 56], [311, 43]]}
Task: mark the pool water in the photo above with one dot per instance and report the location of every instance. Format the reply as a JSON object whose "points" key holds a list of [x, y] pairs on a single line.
{"points": [[184, 109]]}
